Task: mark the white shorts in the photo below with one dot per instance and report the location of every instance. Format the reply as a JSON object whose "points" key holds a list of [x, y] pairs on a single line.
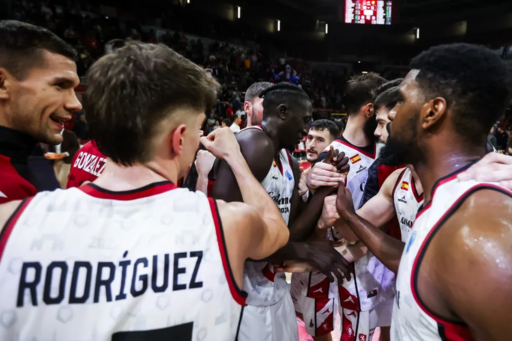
{"points": [[360, 325], [270, 323]]}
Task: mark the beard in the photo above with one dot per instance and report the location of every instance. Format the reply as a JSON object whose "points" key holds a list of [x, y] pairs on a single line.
{"points": [[398, 151], [369, 129]]}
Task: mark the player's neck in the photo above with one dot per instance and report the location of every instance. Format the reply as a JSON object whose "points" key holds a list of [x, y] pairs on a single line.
{"points": [[119, 178], [442, 158], [354, 131], [272, 132]]}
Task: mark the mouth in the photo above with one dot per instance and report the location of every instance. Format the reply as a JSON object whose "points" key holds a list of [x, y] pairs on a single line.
{"points": [[59, 120]]}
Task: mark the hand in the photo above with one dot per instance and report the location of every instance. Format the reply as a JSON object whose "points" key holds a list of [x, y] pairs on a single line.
{"points": [[323, 175], [322, 256], [493, 167], [329, 213], [338, 160], [221, 143], [204, 162], [344, 203]]}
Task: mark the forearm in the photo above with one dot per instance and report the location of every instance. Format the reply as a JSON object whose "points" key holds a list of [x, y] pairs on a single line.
{"points": [[202, 184], [291, 251], [304, 224], [386, 248]]}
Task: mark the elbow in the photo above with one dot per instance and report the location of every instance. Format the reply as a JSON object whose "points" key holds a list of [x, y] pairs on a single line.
{"points": [[284, 236]]}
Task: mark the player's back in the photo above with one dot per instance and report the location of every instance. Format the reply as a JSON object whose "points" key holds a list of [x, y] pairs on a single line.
{"points": [[90, 264]]}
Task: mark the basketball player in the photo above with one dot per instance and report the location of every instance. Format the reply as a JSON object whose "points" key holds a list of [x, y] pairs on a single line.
{"points": [[320, 135], [360, 295], [132, 256], [37, 81], [270, 314], [447, 104], [253, 105]]}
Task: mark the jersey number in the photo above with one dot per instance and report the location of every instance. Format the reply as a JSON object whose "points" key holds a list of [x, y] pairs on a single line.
{"points": [[182, 332]]}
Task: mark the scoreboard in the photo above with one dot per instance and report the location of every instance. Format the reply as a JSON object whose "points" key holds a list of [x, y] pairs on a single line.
{"points": [[369, 12]]}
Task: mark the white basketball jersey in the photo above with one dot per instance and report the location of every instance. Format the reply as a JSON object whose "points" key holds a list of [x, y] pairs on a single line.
{"points": [[264, 287], [411, 319], [359, 161], [407, 202], [90, 264], [364, 291]]}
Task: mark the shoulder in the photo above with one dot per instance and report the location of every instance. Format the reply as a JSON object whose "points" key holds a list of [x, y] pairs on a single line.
{"points": [[257, 149], [479, 230], [6, 212]]}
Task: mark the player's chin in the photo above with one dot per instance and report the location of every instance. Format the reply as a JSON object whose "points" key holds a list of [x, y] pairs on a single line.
{"points": [[51, 137]]}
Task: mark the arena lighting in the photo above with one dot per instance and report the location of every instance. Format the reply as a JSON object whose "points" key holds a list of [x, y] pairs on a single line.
{"points": [[188, 1], [239, 12], [364, 72], [278, 25], [359, 62], [417, 33], [326, 28]]}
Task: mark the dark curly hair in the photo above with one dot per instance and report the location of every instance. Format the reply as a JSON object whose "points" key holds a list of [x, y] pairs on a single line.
{"points": [[283, 92], [473, 80]]}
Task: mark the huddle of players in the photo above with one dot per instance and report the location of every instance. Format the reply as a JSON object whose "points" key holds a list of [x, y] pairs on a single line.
{"points": [[107, 274]]}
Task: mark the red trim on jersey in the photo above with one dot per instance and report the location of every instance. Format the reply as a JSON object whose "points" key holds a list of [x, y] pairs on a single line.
{"points": [[359, 148], [238, 295], [453, 330], [9, 225], [143, 192], [440, 182], [419, 198]]}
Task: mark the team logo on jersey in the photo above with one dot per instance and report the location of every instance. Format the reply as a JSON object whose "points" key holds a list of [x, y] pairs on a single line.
{"points": [[411, 240], [355, 159], [402, 199], [362, 337], [406, 222], [289, 176], [361, 168], [405, 185]]}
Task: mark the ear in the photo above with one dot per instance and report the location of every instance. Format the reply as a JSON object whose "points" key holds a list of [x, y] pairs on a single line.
{"points": [[368, 110], [247, 108], [4, 83], [433, 112], [282, 111], [178, 139]]}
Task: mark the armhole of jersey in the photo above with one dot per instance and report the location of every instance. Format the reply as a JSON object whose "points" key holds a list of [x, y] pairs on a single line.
{"points": [[238, 295], [448, 330], [396, 185], [9, 225]]}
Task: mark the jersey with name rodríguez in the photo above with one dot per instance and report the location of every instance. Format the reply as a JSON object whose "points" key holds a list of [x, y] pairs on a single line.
{"points": [[90, 264], [412, 320], [263, 286], [407, 202]]}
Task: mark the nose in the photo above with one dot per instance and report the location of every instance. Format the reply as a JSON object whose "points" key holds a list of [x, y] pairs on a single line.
{"points": [[72, 103], [378, 132]]}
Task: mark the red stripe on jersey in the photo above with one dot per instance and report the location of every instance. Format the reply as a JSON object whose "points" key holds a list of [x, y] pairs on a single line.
{"points": [[453, 331], [237, 294], [143, 192], [9, 225]]}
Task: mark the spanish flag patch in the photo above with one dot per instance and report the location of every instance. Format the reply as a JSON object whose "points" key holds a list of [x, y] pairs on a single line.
{"points": [[405, 185], [356, 158]]}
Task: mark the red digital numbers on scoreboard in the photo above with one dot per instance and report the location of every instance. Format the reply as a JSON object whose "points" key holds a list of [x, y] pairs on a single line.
{"points": [[369, 12]]}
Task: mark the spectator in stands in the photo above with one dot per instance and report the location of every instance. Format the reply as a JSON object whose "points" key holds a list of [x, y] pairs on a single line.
{"points": [[226, 123], [492, 143], [501, 138], [235, 127], [37, 81], [229, 111]]}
